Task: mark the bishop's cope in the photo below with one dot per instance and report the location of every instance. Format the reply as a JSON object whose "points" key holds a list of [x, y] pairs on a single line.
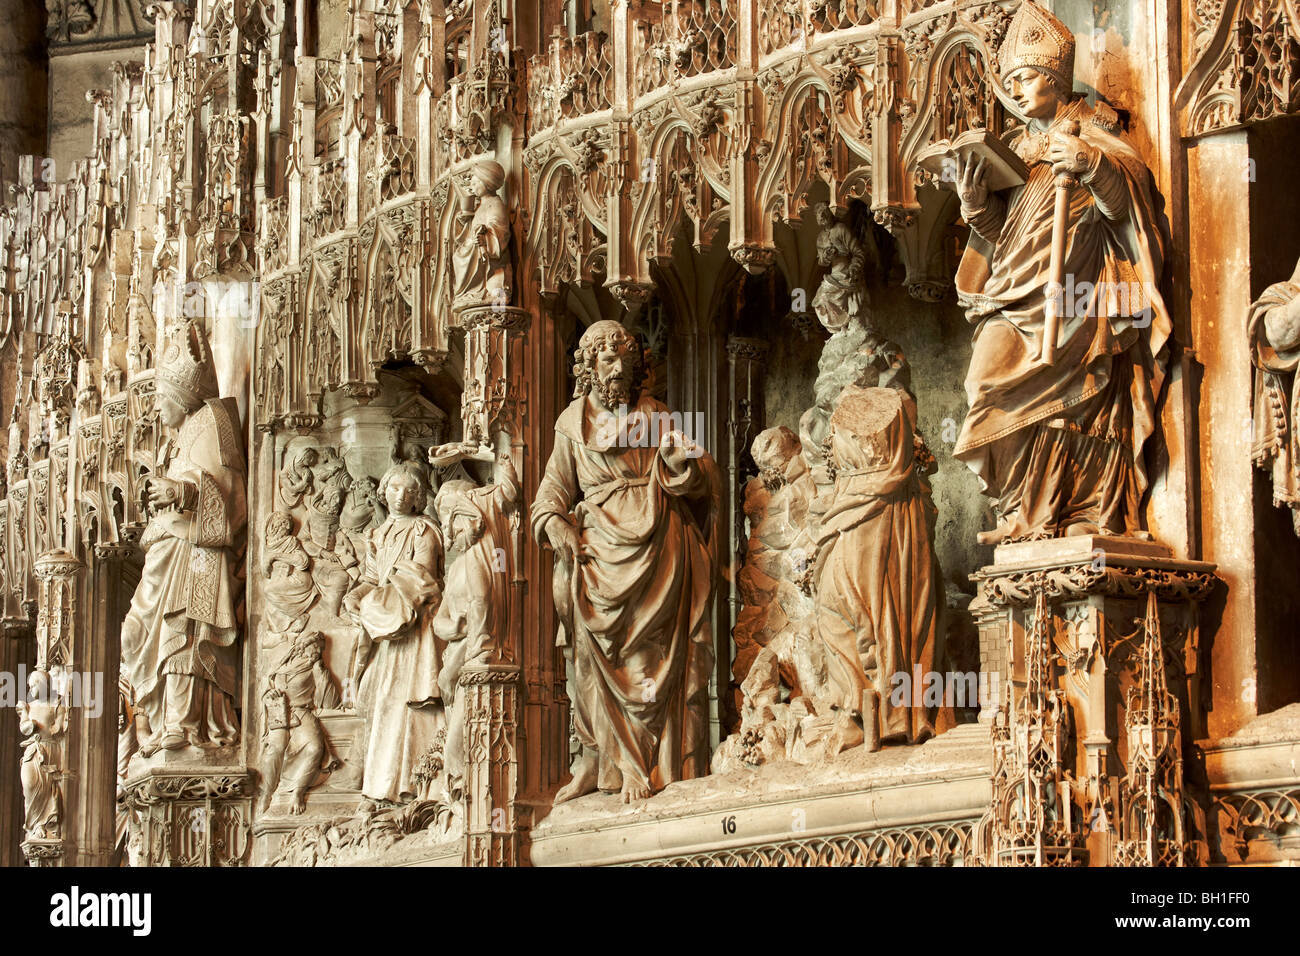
{"points": [[179, 638], [1057, 442], [634, 528]]}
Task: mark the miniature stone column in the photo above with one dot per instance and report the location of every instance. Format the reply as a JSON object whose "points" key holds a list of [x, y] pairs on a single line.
{"points": [[1102, 661], [491, 764]]}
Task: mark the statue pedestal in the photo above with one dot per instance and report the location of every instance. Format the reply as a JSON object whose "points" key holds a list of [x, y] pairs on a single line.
{"points": [[491, 764], [1095, 643], [195, 816]]}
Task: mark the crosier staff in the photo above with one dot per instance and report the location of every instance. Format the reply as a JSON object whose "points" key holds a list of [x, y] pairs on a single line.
{"points": [[1065, 182]]}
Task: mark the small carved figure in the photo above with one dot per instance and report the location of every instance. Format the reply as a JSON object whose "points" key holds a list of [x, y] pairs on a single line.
{"points": [[335, 567], [394, 606], [474, 615], [633, 530], [842, 296], [361, 512], [42, 720], [779, 549], [481, 271], [294, 746], [290, 591], [1274, 331], [296, 478]]}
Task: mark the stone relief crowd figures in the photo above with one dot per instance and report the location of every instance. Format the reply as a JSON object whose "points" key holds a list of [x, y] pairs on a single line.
{"points": [[1274, 332], [842, 587], [418, 627], [633, 528], [1057, 440], [179, 639]]}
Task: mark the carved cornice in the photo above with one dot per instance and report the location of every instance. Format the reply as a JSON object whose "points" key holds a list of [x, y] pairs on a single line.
{"points": [[1019, 587], [160, 786]]}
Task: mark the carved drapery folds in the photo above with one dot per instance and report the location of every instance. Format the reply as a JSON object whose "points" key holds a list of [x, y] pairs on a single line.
{"points": [[417, 213]]}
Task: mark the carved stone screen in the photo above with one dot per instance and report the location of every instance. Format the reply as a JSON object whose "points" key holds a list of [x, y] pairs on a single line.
{"points": [[684, 433]]}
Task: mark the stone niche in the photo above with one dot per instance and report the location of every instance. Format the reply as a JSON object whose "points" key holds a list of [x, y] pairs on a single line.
{"points": [[313, 517]]}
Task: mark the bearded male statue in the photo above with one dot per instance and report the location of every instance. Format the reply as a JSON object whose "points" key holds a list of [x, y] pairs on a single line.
{"points": [[631, 515], [179, 637], [1058, 442]]}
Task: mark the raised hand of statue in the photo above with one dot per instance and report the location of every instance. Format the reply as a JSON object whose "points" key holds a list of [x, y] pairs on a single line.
{"points": [[676, 448], [970, 184], [1070, 155]]}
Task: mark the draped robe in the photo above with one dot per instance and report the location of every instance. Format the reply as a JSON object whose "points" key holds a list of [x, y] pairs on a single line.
{"points": [[1276, 400], [642, 637], [877, 578], [399, 689], [1062, 443], [474, 616], [182, 619]]}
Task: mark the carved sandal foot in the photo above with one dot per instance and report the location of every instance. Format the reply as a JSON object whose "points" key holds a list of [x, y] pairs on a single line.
{"points": [[172, 741]]}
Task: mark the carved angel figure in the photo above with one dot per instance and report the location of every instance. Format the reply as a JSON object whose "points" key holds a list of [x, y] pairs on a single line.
{"points": [[842, 296]]}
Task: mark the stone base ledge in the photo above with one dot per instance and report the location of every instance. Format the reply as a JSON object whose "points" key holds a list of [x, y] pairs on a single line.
{"points": [[889, 806], [1254, 777]]}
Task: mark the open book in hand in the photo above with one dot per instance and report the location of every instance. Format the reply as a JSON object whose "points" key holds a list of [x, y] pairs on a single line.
{"points": [[1003, 169]]}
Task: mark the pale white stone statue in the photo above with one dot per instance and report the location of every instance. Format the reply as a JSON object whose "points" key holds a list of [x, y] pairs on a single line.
{"points": [[179, 638], [634, 537], [294, 747], [42, 720], [481, 271], [394, 605], [474, 615]]}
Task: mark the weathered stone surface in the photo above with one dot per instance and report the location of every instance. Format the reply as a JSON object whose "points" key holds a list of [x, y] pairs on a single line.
{"points": [[388, 230]]}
